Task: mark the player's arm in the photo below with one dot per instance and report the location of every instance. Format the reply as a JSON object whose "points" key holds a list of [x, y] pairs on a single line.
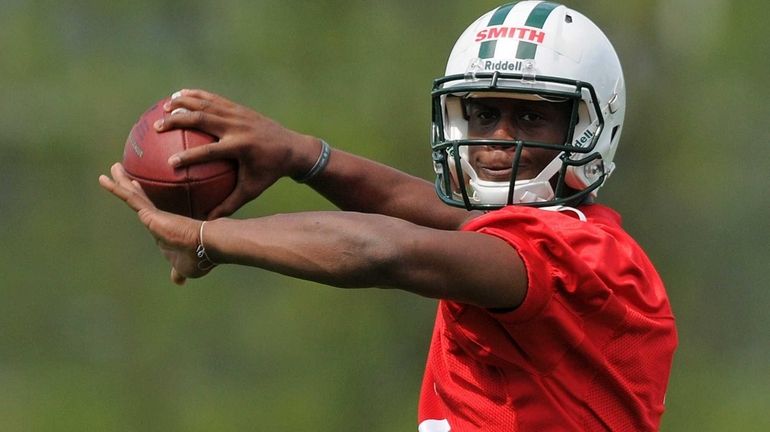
{"points": [[344, 249], [356, 250], [357, 184], [266, 151]]}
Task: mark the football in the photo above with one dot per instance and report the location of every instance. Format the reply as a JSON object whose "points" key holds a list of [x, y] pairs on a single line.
{"points": [[191, 191]]}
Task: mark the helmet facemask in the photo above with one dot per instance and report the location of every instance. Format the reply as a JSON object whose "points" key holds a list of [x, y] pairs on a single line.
{"points": [[452, 145]]}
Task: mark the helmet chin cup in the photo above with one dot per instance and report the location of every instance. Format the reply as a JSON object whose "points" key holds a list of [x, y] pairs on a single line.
{"points": [[537, 189], [525, 192]]}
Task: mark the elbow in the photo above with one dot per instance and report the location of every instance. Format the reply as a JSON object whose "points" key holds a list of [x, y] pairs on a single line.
{"points": [[366, 263]]}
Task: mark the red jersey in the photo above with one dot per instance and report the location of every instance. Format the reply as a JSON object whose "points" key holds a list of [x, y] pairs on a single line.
{"points": [[589, 349]]}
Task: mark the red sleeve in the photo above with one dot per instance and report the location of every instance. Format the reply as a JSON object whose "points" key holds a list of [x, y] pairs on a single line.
{"points": [[582, 276]]}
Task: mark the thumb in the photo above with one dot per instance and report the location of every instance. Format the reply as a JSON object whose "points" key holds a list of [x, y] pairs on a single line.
{"points": [[177, 278]]}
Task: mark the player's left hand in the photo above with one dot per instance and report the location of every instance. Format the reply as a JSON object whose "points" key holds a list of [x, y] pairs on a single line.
{"points": [[176, 236], [264, 149]]}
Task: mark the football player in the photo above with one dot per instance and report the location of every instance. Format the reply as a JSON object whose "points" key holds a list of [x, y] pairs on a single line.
{"points": [[550, 316]]}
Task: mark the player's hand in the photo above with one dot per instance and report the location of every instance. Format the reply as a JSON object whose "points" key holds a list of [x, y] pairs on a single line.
{"points": [[265, 150], [176, 236]]}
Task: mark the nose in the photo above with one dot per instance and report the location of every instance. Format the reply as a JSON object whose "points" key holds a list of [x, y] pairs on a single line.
{"points": [[504, 130]]}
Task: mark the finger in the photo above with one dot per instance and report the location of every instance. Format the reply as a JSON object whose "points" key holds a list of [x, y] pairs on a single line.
{"points": [[200, 154], [199, 100], [119, 173], [123, 188], [211, 123], [177, 278], [106, 183], [243, 193], [140, 191], [129, 197], [204, 95], [229, 206], [120, 176], [113, 187], [178, 102]]}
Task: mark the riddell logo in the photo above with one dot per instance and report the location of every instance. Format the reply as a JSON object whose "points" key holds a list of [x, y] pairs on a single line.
{"points": [[521, 33], [502, 65], [584, 139]]}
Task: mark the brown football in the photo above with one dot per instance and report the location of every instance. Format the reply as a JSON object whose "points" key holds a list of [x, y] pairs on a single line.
{"points": [[190, 191]]}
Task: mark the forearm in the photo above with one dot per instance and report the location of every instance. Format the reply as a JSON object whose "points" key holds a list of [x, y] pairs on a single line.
{"points": [[356, 250], [357, 184], [311, 246]]}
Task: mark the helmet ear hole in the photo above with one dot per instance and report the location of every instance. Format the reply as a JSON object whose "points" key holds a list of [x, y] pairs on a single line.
{"points": [[614, 131]]}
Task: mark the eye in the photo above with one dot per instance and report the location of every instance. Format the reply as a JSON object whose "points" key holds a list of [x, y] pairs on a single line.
{"points": [[531, 117], [485, 116]]}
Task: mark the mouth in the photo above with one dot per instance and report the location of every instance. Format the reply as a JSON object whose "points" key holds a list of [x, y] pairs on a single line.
{"points": [[495, 173], [501, 172]]}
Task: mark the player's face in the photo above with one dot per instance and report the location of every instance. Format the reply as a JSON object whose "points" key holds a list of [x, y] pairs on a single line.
{"points": [[511, 119]]}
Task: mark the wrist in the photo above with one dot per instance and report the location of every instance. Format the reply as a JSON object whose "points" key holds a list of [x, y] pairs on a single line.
{"points": [[205, 262], [312, 162]]}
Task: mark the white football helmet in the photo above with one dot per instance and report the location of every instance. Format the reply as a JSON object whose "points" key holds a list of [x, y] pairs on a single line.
{"points": [[533, 50]]}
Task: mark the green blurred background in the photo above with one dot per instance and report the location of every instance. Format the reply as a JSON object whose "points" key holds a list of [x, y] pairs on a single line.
{"points": [[93, 336]]}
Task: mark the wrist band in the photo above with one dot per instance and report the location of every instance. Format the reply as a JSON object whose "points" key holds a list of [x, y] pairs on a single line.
{"points": [[205, 262], [320, 164]]}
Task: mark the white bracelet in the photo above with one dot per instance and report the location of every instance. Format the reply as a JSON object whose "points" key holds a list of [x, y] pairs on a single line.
{"points": [[205, 262], [320, 164]]}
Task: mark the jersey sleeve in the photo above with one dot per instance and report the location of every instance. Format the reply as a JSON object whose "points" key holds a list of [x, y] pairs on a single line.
{"points": [[581, 277]]}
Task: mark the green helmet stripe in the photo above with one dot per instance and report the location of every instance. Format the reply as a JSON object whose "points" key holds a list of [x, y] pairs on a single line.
{"points": [[487, 49], [526, 50], [536, 18], [539, 14], [498, 18]]}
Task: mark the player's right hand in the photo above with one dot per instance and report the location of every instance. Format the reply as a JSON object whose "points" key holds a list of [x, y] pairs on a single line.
{"points": [[176, 236], [264, 150]]}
